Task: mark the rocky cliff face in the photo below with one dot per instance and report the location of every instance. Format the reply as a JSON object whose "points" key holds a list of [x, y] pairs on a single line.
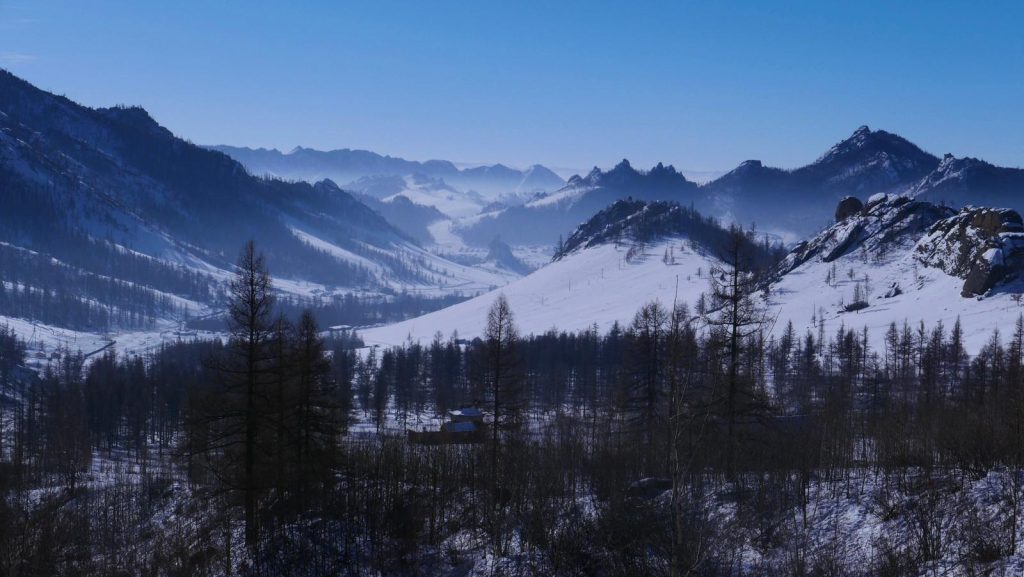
{"points": [[983, 246]]}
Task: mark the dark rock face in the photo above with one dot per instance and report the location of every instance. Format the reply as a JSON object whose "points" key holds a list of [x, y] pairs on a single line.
{"points": [[980, 279], [983, 246], [848, 206], [993, 222]]}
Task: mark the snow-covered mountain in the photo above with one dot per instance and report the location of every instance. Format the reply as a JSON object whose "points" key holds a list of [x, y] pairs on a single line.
{"points": [[801, 200], [960, 181], [109, 220], [627, 254], [543, 219], [868, 162], [535, 208], [901, 259], [891, 260], [353, 167]]}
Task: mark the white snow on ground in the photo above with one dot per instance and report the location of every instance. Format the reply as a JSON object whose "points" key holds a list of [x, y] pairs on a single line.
{"points": [[448, 242], [928, 294], [444, 237], [597, 286], [444, 277], [336, 251], [451, 277], [45, 340], [451, 202], [594, 286], [567, 195], [536, 256]]}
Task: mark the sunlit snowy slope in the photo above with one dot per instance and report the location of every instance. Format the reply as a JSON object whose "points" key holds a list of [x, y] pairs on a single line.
{"points": [[895, 261], [595, 286]]}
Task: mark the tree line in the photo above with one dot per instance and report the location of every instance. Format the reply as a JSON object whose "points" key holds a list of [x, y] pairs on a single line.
{"points": [[690, 441]]}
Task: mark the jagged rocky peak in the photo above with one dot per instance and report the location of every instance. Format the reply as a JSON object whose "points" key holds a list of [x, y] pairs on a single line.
{"points": [[624, 175], [983, 246], [873, 159], [951, 165], [972, 181], [624, 219], [865, 140], [951, 172], [591, 179], [884, 222]]}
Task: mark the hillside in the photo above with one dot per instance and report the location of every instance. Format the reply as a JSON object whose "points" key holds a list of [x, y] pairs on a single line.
{"points": [[894, 260], [541, 220], [628, 254], [112, 222], [357, 168], [869, 161], [903, 260]]}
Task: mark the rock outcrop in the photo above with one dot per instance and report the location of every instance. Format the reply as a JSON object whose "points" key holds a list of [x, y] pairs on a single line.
{"points": [[983, 246], [886, 221], [848, 206]]}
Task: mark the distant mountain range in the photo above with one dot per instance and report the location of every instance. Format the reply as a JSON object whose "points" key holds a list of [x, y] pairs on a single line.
{"points": [[542, 220], [868, 162], [109, 221], [888, 259], [537, 206], [793, 202], [104, 209], [358, 169]]}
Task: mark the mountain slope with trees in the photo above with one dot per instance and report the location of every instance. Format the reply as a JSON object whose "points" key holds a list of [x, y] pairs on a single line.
{"points": [[110, 220]]}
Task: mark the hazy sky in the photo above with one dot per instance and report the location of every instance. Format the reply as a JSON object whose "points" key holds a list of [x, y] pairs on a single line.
{"points": [[569, 84]]}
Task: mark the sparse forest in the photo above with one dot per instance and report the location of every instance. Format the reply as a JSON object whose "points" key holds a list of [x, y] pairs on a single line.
{"points": [[688, 442]]}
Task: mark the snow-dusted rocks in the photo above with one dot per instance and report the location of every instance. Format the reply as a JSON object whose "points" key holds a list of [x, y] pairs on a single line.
{"points": [[887, 222], [904, 260], [983, 246]]}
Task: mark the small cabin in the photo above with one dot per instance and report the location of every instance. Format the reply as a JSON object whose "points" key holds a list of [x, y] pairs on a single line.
{"points": [[465, 425]]}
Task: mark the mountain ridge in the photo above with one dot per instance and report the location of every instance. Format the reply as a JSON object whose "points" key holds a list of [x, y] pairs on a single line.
{"points": [[127, 224], [346, 165]]}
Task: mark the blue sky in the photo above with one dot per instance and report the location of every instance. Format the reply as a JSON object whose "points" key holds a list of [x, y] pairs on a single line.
{"points": [[569, 84]]}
